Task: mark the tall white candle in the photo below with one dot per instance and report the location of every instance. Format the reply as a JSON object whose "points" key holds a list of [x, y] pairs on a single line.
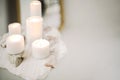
{"points": [[14, 28], [40, 48], [33, 29], [35, 8], [15, 44]]}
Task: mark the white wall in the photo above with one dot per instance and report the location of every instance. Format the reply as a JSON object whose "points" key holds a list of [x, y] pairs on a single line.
{"points": [[92, 35]]}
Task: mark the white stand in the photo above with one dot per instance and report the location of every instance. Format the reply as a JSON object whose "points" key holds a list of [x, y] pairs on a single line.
{"points": [[31, 68]]}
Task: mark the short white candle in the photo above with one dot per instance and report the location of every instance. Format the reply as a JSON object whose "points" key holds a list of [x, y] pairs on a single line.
{"points": [[35, 8], [40, 49], [14, 28], [15, 44], [33, 29]]}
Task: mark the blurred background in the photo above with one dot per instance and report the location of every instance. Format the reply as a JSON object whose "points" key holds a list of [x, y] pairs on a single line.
{"points": [[92, 35]]}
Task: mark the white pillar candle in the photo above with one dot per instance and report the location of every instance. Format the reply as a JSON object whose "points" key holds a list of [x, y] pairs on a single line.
{"points": [[14, 28], [40, 48], [33, 29], [15, 44], [35, 8]]}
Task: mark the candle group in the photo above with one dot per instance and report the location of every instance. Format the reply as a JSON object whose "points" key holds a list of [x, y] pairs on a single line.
{"points": [[15, 41]]}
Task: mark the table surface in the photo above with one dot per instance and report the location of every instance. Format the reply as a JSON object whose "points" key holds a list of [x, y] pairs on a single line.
{"points": [[92, 36]]}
